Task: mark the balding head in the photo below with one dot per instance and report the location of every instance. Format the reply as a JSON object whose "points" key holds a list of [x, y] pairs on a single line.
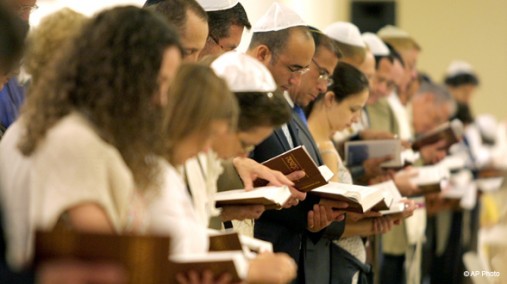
{"points": [[286, 53]]}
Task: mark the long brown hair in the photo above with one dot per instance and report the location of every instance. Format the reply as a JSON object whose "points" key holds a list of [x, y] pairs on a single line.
{"points": [[109, 74], [197, 98]]}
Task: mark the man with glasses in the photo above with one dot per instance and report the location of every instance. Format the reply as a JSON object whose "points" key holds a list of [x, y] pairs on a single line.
{"points": [[283, 43], [318, 78], [227, 19]]}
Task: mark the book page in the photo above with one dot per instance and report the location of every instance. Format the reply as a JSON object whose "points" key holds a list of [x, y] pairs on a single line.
{"points": [[359, 198], [430, 175], [275, 194], [357, 152]]}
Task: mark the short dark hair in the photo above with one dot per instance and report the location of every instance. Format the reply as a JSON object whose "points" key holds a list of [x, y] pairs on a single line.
{"points": [[392, 56], [276, 41], [175, 11], [322, 40], [12, 35], [221, 21], [462, 79], [261, 109]]}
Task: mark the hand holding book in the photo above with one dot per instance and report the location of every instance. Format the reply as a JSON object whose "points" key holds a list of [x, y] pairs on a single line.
{"points": [[249, 170], [322, 216]]}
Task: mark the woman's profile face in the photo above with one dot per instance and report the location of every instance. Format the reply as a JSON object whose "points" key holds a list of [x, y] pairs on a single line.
{"points": [[199, 141], [348, 111], [240, 144]]}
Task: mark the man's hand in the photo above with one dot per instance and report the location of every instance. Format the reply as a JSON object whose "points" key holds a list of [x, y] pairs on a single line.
{"points": [[241, 212], [249, 170], [433, 153], [271, 268], [403, 181], [382, 225], [372, 166], [296, 195], [325, 213]]}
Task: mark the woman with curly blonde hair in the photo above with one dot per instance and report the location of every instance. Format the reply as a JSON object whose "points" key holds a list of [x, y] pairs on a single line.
{"points": [[46, 41], [81, 152]]}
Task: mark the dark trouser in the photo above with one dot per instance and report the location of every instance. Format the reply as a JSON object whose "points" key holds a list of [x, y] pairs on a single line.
{"points": [[393, 269]]}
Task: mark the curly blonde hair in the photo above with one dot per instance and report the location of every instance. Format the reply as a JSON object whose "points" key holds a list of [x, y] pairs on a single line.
{"points": [[46, 40], [109, 73]]}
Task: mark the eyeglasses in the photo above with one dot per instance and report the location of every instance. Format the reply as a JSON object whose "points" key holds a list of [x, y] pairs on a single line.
{"points": [[27, 8], [298, 69], [323, 74]]}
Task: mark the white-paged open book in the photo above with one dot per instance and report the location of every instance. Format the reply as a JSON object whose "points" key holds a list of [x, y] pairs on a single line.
{"points": [[272, 197], [429, 177], [359, 198], [230, 240], [391, 192]]}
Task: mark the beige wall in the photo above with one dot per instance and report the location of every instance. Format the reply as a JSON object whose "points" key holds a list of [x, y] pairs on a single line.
{"points": [[471, 30]]}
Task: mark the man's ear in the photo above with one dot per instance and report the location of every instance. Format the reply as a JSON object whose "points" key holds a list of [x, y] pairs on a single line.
{"points": [[263, 54]]}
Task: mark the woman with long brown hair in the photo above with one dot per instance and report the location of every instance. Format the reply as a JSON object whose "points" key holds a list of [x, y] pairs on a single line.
{"points": [[80, 153]]}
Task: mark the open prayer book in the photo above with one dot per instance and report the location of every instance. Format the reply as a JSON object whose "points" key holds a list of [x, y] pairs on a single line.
{"points": [[298, 159], [429, 178], [232, 241], [359, 198], [451, 132], [272, 197], [232, 262], [391, 192]]}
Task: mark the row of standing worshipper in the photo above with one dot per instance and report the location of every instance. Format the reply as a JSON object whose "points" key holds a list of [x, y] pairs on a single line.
{"points": [[192, 51], [281, 41], [460, 82], [100, 156], [321, 71]]}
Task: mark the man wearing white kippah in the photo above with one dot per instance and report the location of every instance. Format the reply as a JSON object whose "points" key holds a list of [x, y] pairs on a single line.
{"points": [[348, 38], [282, 42], [461, 80], [190, 20], [227, 20]]}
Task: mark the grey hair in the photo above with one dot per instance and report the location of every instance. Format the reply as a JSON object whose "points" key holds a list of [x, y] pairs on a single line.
{"points": [[441, 95]]}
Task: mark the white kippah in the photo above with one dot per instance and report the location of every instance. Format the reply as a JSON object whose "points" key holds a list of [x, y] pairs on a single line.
{"points": [[278, 17], [458, 67], [391, 31], [488, 125], [243, 73], [217, 5], [345, 33], [376, 45]]}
